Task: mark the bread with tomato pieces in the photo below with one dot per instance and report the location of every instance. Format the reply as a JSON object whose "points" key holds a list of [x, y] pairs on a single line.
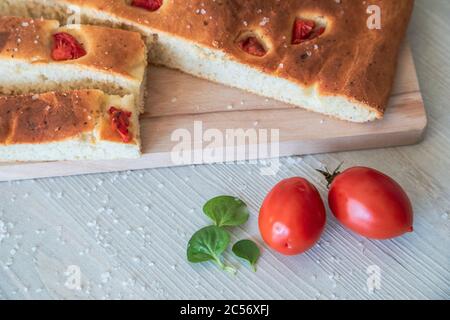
{"points": [[323, 55], [40, 55], [71, 125]]}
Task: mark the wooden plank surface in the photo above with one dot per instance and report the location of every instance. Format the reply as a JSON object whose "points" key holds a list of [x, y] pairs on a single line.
{"points": [[127, 232], [176, 101]]}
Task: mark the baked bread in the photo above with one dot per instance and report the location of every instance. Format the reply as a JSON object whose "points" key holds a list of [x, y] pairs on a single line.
{"points": [[40, 55], [317, 54], [73, 125]]}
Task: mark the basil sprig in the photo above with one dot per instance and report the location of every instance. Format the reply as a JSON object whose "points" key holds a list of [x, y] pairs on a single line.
{"points": [[209, 243], [247, 250], [226, 211]]}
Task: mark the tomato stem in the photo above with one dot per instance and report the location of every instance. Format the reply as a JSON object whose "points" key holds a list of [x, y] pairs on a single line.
{"points": [[330, 176]]}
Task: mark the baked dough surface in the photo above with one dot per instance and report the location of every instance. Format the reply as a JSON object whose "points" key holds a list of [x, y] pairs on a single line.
{"points": [[348, 60]]}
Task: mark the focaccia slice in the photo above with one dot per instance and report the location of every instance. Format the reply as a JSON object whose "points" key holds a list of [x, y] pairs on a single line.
{"points": [[71, 125]]}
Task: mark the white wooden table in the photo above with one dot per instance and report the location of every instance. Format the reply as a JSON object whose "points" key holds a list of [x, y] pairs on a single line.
{"points": [[127, 232]]}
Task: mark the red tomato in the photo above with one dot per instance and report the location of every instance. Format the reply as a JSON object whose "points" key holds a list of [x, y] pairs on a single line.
{"points": [[292, 217], [370, 203]]}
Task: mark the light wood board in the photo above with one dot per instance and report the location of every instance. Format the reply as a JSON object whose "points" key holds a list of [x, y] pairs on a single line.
{"points": [[176, 100]]}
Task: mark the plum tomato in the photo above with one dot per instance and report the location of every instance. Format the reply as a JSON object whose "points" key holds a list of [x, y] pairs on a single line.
{"points": [[370, 203], [292, 217]]}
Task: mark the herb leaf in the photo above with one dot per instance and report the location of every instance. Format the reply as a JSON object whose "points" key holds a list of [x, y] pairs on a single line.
{"points": [[248, 250], [226, 211], [208, 244]]}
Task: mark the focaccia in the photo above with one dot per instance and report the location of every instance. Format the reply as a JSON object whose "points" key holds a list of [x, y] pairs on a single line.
{"points": [[111, 60], [323, 55], [72, 125]]}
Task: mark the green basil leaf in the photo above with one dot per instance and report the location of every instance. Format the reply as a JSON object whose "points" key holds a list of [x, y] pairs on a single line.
{"points": [[208, 244], [226, 211], [248, 250]]}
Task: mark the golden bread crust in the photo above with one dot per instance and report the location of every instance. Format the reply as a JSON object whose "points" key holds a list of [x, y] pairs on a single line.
{"points": [[48, 117], [116, 51], [58, 116], [348, 60]]}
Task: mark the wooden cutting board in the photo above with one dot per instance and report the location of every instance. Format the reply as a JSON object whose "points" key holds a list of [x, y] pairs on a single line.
{"points": [[176, 100]]}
